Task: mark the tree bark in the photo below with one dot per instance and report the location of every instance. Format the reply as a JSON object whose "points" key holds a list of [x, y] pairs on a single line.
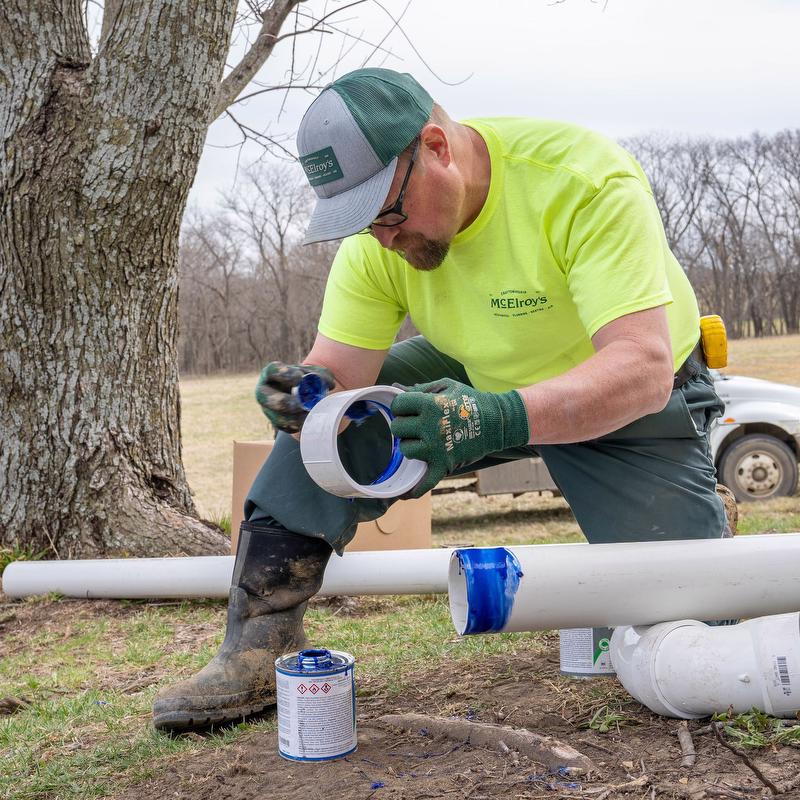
{"points": [[98, 155]]}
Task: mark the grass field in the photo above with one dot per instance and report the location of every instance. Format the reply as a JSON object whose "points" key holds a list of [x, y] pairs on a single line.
{"points": [[85, 672]]}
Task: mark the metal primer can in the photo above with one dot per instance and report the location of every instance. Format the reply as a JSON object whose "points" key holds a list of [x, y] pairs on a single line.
{"points": [[316, 705], [584, 652]]}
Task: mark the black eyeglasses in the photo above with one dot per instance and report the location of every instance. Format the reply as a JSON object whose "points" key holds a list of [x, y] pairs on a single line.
{"points": [[394, 216]]}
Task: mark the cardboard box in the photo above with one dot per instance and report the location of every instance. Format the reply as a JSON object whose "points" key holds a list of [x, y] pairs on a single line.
{"points": [[406, 525]]}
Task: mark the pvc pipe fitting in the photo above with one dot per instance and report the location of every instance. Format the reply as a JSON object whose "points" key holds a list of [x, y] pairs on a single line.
{"points": [[688, 669], [320, 453], [542, 587]]}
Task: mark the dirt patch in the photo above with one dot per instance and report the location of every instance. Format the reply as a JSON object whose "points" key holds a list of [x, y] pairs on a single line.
{"points": [[23, 620], [640, 758]]}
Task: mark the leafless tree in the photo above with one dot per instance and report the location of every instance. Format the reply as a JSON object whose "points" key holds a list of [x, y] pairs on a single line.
{"points": [[731, 210], [100, 144], [250, 292]]}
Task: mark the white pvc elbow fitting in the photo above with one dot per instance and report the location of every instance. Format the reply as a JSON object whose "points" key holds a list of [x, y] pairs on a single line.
{"points": [[320, 453], [688, 669]]}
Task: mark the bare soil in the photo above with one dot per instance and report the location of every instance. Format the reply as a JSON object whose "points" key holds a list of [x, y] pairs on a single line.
{"points": [[638, 759]]}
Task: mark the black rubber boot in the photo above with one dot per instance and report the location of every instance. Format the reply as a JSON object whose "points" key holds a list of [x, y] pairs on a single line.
{"points": [[274, 574]]}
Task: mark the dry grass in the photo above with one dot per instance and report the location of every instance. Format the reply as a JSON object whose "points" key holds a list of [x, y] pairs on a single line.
{"points": [[465, 518], [216, 412], [776, 358], [221, 409]]}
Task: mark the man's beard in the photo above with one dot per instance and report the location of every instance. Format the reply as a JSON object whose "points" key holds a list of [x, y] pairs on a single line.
{"points": [[423, 254]]}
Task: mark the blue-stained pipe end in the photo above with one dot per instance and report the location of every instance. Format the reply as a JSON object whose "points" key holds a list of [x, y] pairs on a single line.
{"points": [[312, 389], [492, 578]]}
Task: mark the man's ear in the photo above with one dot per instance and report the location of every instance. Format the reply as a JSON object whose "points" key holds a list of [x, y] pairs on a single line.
{"points": [[435, 141]]}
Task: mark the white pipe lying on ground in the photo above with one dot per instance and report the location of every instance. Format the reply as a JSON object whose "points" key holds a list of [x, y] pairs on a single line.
{"points": [[370, 572], [687, 669], [540, 587]]}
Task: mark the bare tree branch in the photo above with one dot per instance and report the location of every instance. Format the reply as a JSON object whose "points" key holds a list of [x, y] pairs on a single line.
{"points": [[273, 19], [262, 48], [250, 133]]}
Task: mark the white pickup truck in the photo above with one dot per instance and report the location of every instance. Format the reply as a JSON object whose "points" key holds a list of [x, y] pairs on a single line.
{"points": [[755, 444]]}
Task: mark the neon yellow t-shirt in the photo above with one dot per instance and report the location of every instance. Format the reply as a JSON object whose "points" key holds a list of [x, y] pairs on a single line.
{"points": [[568, 240]]}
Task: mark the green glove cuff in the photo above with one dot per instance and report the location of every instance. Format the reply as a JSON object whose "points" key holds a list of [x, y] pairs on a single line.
{"points": [[516, 432]]}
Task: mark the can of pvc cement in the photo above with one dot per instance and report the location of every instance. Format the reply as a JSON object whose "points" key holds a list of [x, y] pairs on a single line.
{"points": [[316, 705], [584, 652]]}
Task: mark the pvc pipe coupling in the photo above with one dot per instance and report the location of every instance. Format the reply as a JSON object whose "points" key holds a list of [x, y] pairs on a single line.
{"points": [[318, 440]]}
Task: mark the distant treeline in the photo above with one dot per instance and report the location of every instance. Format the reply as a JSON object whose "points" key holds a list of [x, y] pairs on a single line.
{"points": [[250, 292], [731, 210]]}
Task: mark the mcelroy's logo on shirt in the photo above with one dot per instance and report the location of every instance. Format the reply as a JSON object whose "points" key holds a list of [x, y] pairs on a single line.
{"points": [[518, 303], [321, 167]]}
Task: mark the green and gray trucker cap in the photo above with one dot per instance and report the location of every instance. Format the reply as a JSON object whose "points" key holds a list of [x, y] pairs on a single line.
{"points": [[348, 142]]}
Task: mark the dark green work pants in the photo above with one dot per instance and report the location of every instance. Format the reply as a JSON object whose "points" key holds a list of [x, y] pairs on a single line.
{"points": [[651, 480]]}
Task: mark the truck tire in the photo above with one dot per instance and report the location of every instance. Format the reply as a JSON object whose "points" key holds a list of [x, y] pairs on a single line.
{"points": [[757, 467]]}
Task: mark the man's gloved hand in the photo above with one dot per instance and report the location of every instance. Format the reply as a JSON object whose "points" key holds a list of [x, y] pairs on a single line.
{"points": [[448, 424], [274, 393]]}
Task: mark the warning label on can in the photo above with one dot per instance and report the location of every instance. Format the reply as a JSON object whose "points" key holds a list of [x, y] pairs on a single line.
{"points": [[316, 715]]}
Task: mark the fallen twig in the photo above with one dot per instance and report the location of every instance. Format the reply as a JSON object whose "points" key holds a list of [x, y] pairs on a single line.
{"points": [[722, 791], [544, 749], [717, 728], [137, 686], [596, 746], [702, 731], [687, 745], [605, 791], [637, 783]]}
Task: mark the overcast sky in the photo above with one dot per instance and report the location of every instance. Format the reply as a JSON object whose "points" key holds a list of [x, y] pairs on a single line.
{"points": [[718, 67]]}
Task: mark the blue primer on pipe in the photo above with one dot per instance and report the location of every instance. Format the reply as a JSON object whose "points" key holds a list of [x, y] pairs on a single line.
{"points": [[311, 390], [492, 578]]}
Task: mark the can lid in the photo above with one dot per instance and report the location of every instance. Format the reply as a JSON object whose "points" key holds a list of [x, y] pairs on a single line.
{"points": [[314, 660]]}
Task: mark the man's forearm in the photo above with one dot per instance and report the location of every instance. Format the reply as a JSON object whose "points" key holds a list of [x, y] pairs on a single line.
{"points": [[617, 385]]}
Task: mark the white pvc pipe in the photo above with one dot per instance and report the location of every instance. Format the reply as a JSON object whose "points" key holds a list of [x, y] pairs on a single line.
{"points": [[369, 572], [687, 669], [541, 587], [320, 453]]}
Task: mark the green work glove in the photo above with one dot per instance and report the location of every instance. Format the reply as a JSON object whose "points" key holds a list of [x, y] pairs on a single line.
{"points": [[274, 393], [449, 424]]}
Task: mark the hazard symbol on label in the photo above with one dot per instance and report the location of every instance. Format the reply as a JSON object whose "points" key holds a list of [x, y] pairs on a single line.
{"points": [[313, 688], [302, 688], [326, 687]]}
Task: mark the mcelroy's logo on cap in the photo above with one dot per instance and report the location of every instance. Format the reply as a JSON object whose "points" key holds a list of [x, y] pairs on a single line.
{"points": [[321, 167]]}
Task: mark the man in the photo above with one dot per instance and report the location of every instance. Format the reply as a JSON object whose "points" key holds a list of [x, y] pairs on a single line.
{"points": [[554, 319]]}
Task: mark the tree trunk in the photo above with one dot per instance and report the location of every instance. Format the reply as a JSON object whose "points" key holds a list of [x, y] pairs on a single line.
{"points": [[98, 157]]}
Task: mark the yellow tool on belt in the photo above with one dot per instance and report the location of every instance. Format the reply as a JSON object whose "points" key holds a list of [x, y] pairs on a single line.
{"points": [[714, 340]]}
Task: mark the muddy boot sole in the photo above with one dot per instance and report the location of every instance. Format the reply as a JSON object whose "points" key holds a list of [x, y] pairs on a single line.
{"points": [[178, 721]]}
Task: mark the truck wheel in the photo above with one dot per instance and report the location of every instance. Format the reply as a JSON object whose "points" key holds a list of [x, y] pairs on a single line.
{"points": [[757, 467]]}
